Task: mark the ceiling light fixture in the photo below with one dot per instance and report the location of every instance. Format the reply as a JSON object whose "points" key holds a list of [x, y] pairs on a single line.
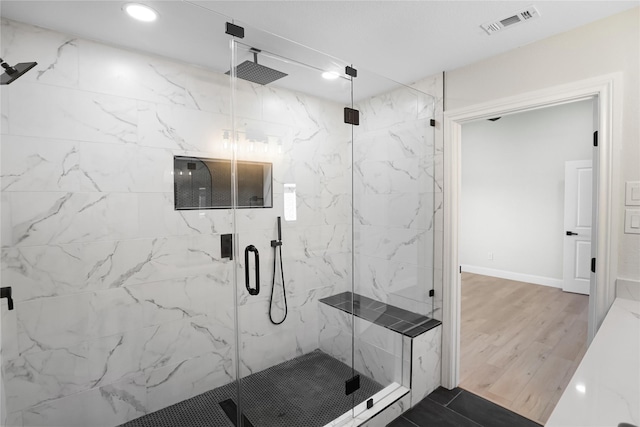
{"points": [[330, 75], [141, 12]]}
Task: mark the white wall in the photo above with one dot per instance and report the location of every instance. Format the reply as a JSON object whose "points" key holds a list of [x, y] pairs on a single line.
{"points": [[512, 201], [603, 47]]}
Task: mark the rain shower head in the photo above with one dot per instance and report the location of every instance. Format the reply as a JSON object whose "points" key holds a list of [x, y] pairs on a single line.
{"points": [[256, 73], [12, 73]]}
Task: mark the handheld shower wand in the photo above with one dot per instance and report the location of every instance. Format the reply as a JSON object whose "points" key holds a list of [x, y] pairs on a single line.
{"points": [[277, 244]]}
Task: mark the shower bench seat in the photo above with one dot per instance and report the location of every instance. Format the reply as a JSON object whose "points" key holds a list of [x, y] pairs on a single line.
{"points": [[391, 344], [397, 319]]}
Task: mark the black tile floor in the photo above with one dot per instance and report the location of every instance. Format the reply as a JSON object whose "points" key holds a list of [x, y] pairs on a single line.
{"points": [[459, 408]]}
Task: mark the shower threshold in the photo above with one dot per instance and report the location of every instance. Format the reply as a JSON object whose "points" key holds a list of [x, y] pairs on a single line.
{"points": [[306, 391]]}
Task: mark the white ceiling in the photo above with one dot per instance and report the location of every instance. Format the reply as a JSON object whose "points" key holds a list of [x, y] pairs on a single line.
{"points": [[402, 40]]}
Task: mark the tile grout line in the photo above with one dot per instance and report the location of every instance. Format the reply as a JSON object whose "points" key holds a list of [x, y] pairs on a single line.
{"points": [[458, 413], [446, 405]]}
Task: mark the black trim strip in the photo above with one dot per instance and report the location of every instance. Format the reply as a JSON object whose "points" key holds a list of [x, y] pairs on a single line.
{"points": [[231, 410]]}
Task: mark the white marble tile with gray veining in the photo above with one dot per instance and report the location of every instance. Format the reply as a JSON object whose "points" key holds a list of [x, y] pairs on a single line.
{"points": [[40, 377], [105, 406], [173, 127], [46, 111], [399, 245], [404, 140], [381, 365], [174, 383], [56, 53], [53, 323], [40, 218], [39, 164], [382, 210], [114, 71], [381, 111], [426, 364]]}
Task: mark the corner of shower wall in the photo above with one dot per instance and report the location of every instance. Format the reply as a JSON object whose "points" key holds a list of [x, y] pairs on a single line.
{"points": [[396, 200]]}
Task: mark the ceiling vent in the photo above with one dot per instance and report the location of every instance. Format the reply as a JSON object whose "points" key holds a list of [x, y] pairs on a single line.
{"points": [[517, 18]]}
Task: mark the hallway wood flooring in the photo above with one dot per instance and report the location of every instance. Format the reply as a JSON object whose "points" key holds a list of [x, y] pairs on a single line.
{"points": [[520, 343]]}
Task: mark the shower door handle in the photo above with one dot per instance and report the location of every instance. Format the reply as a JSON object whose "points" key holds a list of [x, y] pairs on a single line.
{"points": [[256, 290]]}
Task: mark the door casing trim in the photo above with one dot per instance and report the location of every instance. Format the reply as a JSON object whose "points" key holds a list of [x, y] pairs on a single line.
{"points": [[608, 92]]}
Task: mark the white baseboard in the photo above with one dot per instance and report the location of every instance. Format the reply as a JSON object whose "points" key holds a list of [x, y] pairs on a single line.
{"points": [[509, 275]]}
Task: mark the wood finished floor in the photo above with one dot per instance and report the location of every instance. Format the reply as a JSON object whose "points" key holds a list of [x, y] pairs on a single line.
{"points": [[520, 343]]}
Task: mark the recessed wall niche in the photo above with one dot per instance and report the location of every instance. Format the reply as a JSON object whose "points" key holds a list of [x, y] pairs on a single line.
{"points": [[200, 183]]}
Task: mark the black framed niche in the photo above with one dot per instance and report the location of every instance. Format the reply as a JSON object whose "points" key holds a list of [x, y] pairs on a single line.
{"points": [[200, 183]]}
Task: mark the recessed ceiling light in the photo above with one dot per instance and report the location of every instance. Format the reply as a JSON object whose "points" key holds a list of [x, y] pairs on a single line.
{"points": [[330, 75], [141, 12]]}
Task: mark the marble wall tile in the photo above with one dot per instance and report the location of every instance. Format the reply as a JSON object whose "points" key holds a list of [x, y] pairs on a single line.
{"points": [[426, 364], [114, 71], [13, 419], [4, 114], [174, 383], [9, 325], [40, 377], [409, 139], [378, 336], [177, 128], [52, 323], [381, 210], [40, 218], [56, 53], [46, 111], [182, 298], [105, 406], [211, 92], [398, 245], [381, 111], [259, 353], [38, 164], [383, 366]]}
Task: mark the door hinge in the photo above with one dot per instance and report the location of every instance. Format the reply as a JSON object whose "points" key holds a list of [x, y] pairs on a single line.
{"points": [[350, 71], [352, 385], [235, 30], [431, 292], [593, 265], [432, 122], [351, 116], [460, 269], [595, 139]]}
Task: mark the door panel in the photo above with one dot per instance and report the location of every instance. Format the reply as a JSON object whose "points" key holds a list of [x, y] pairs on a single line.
{"points": [[577, 225]]}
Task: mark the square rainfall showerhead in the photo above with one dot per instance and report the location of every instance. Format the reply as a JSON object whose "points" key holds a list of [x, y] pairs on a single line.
{"points": [[256, 73]]}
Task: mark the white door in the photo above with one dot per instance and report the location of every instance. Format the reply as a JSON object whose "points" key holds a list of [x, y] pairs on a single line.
{"points": [[578, 186]]}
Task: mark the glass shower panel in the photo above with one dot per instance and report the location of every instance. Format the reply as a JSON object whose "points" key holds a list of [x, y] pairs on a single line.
{"points": [[294, 267], [124, 305], [393, 209]]}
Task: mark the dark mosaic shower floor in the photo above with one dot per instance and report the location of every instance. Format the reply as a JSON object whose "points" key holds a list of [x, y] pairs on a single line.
{"points": [[306, 391]]}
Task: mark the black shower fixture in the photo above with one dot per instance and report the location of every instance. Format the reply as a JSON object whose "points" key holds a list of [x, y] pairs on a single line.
{"points": [[12, 73], [494, 119], [256, 73]]}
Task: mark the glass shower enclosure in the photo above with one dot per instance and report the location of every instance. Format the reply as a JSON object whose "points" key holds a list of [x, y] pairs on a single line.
{"points": [[236, 242]]}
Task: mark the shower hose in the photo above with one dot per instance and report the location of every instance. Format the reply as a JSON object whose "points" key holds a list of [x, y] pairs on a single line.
{"points": [[277, 245]]}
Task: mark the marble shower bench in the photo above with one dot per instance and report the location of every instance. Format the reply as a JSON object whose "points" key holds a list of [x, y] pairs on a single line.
{"points": [[392, 345]]}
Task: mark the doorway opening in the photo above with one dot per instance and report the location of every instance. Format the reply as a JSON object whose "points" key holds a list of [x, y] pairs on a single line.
{"points": [[522, 333], [607, 91]]}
